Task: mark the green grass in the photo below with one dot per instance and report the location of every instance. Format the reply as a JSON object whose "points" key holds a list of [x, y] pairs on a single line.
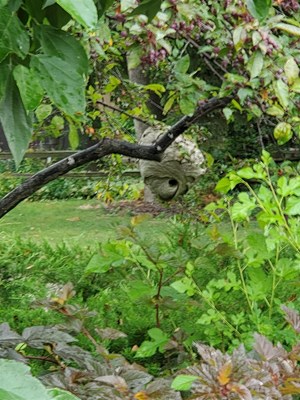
{"points": [[72, 221], [56, 221]]}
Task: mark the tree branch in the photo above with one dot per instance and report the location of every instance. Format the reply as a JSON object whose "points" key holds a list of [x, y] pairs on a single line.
{"points": [[182, 125], [103, 148]]}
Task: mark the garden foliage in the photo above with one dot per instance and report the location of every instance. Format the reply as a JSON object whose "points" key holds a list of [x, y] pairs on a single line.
{"points": [[223, 287]]}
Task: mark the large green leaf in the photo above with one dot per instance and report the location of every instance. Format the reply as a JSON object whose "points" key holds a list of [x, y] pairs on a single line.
{"points": [[18, 383], [62, 82], [35, 9], [83, 11], [183, 382], [13, 38], [259, 9], [58, 43], [283, 132], [281, 90], [16, 123], [5, 395], [255, 64], [292, 29], [291, 70], [3, 3], [56, 15], [103, 5], [182, 65], [148, 7], [73, 137], [60, 394], [30, 89], [293, 206]]}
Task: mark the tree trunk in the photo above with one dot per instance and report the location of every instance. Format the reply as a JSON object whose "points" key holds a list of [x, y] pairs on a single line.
{"points": [[139, 75]]}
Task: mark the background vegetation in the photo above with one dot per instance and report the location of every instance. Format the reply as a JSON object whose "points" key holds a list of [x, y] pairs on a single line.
{"points": [[109, 304]]}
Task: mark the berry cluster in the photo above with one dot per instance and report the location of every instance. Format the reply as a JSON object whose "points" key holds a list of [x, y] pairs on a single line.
{"points": [[289, 6], [154, 56]]}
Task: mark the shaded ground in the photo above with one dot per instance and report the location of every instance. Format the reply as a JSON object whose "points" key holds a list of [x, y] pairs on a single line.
{"points": [[141, 207]]}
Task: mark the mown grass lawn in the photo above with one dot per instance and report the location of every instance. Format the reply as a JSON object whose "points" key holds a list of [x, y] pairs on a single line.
{"points": [[72, 221]]}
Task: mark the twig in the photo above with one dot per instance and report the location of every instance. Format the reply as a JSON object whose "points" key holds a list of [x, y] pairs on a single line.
{"points": [[114, 108], [260, 135], [41, 358], [207, 62]]}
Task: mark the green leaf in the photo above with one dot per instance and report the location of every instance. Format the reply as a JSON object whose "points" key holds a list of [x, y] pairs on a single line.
{"points": [[158, 335], [56, 15], [35, 9], [134, 57], [114, 82], [259, 9], [138, 289], [5, 395], [228, 113], [147, 349], [58, 43], [30, 89], [296, 86], [283, 132], [156, 88], [14, 38], [243, 93], [255, 64], [4, 75], [48, 3], [147, 7], [246, 173], [73, 137], [292, 29], [16, 123], [43, 111], [239, 37], [293, 206], [282, 93], [183, 382], [187, 105], [17, 381], [97, 265], [83, 11], [291, 70], [104, 5], [60, 394], [159, 341], [241, 210], [275, 111], [63, 84], [184, 285], [169, 104], [223, 186], [182, 65]]}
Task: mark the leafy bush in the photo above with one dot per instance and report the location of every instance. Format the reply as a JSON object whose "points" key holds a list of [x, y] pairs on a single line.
{"points": [[89, 374], [269, 371], [229, 275]]}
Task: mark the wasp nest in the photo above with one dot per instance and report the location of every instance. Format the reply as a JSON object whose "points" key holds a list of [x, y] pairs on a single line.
{"points": [[181, 166]]}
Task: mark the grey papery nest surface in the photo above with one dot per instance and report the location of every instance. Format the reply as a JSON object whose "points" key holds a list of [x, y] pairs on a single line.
{"points": [[181, 166]]}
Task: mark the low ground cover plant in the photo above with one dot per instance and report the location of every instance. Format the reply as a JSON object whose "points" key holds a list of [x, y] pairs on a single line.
{"points": [[268, 370]]}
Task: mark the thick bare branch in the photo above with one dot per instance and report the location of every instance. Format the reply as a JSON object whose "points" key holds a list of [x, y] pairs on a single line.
{"points": [[95, 152], [103, 148]]}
